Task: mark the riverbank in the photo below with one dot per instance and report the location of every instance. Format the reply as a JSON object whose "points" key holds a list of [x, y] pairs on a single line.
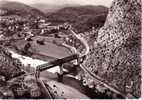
{"points": [[69, 85], [33, 62]]}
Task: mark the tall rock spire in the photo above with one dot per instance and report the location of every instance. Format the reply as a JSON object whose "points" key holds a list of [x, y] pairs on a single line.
{"points": [[117, 50]]}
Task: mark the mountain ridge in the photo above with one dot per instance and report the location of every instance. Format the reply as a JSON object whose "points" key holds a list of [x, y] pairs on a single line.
{"points": [[50, 8], [20, 9], [80, 16]]}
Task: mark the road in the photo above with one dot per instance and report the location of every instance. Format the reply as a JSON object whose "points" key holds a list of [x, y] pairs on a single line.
{"points": [[84, 43], [94, 76]]}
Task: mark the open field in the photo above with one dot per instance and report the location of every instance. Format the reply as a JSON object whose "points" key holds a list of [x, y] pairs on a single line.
{"points": [[48, 50]]}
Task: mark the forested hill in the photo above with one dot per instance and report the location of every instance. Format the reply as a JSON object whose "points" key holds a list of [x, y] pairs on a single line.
{"points": [[20, 9], [82, 17]]}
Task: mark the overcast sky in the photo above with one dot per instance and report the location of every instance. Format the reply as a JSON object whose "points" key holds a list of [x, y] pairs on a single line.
{"points": [[60, 2]]}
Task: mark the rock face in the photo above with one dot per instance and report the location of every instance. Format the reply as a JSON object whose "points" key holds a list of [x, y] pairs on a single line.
{"points": [[116, 54], [9, 67]]}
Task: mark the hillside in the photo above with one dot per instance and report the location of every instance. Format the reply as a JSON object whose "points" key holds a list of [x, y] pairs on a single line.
{"points": [[81, 17], [9, 67], [116, 53], [49, 8], [16, 8]]}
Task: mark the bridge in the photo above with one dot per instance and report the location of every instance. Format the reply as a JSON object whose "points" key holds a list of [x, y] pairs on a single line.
{"points": [[79, 58]]}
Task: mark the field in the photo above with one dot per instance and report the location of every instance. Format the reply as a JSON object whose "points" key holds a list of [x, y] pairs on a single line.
{"points": [[48, 50]]}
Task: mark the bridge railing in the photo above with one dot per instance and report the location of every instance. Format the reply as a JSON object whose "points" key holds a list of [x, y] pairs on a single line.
{"points": [[57, 62]]}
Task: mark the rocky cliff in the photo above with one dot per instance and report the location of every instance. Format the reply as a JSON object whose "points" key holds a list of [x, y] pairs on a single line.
{"points": [[116, 53]]}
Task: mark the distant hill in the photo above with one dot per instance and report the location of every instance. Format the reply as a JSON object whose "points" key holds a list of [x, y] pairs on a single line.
{"points": [[47, 8], [82, 17], [16, 8], [50, 8]]}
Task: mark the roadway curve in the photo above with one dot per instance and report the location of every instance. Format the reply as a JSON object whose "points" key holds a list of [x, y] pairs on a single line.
{"points": [[85, 44], [83, 41]]}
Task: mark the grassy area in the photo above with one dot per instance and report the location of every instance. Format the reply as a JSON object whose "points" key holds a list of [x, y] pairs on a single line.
{"points": [[48, 50], [52, 50]]}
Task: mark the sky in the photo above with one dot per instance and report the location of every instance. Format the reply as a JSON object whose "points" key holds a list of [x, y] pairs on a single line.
{"points": [[60, 2]]}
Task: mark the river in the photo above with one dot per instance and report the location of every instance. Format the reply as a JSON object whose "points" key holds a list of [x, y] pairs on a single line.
{"points": [[69, 86], [33, 62]]}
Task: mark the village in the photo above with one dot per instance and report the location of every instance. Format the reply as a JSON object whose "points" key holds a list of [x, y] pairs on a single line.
{"points": [[70, 51]]}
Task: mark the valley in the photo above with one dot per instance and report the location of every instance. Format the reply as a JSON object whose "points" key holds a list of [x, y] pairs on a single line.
{"points": [[73, 51]]}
